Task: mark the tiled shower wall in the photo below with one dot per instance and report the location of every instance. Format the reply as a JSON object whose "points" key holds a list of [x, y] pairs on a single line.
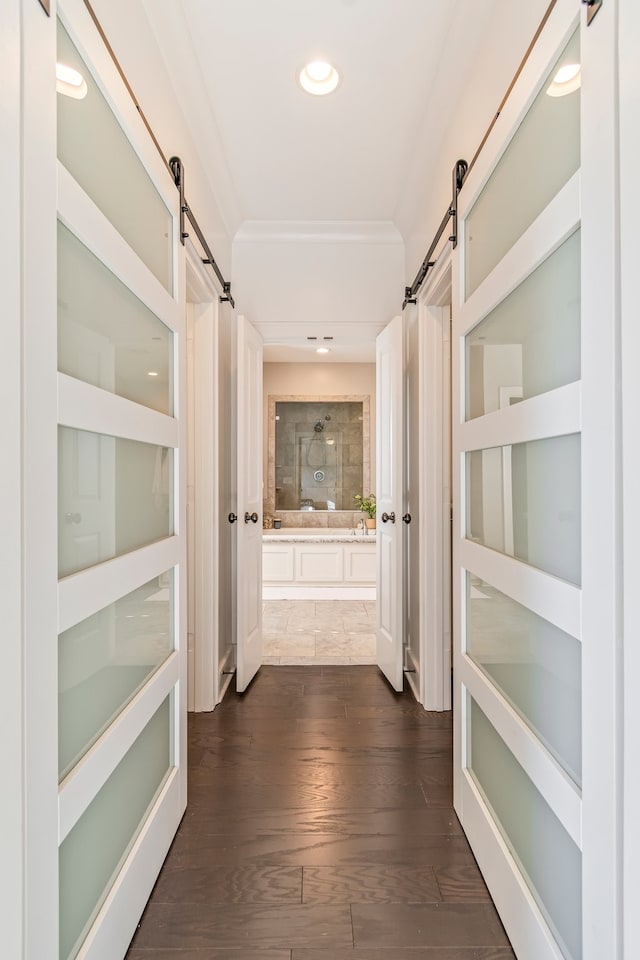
{"points": [[324, 383], [318, 467]]}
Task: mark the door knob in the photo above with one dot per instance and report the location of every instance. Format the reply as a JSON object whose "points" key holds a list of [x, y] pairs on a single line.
{"points": [[250, 517], [232, 518], [388, 517], [407, 518]]}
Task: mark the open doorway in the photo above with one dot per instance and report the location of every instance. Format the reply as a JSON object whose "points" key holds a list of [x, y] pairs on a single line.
{"points": [[319, 552]]}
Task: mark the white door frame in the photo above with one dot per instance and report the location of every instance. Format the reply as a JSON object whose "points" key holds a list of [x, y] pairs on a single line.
{"points": [[28, 816], [434, 317], [629, 42], [35, 46], [203, 318]]}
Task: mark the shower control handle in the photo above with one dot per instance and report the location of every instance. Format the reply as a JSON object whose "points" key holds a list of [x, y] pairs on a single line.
{"points": [[388, 516], [250, 517], [232, 518]]}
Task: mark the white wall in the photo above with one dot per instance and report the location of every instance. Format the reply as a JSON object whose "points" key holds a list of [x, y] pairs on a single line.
{"points": [[322, 280], [320, 379]]}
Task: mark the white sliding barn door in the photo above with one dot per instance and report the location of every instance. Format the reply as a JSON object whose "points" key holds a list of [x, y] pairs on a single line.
{"points": [[534, 461], [390, 499], [249, 504], [120, 717]]}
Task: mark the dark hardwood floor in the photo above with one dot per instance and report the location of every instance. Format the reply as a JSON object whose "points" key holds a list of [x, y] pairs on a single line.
{"points": [[320, 827]]}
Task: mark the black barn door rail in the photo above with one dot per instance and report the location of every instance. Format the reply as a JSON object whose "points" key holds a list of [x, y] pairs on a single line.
{"points": [[186, 213], [459, 173]]}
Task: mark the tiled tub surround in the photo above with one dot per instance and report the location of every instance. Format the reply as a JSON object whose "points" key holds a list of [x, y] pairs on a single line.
{"points": [[306, 564], [315, 519]]}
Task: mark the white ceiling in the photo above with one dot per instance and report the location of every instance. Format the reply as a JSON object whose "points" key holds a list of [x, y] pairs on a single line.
{"points": [[299, 157], [293, 157], [369, 157]]}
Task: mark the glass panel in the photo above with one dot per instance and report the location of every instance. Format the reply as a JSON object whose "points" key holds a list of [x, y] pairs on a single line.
{"points": [[114, 495], [92, 855], [319, 455], [524, 500], [103, 662], [547, 856], [106, 336], [95, 150], [542, 156], [535, 664], [531, 342]]}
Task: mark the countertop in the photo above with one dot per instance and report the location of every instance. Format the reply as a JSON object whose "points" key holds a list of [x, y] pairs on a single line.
{"points": [[316, 536]]}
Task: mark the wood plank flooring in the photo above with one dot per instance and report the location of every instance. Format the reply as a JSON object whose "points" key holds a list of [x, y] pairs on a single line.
{"points": [[320, 827]]}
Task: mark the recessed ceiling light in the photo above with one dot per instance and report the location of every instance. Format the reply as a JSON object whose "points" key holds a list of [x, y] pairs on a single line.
{"points": [[70, 83], [322, 349], [566, 80], [152, 373], [319, 78]]}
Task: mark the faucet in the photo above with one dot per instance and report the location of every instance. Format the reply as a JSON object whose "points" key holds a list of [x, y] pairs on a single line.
{"points": [[365, 529]]}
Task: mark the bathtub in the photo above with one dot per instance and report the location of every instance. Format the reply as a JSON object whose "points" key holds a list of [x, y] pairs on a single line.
{"points": [[306, 563]]}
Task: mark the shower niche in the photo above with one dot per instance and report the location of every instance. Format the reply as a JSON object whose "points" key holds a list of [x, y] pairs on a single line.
{"points": [[318, 452]]}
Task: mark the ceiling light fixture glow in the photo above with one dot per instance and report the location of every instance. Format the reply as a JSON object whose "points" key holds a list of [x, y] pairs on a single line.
{"points": [[566, 80], [152, 373], [322, 350], [70, 83], [319, 78]]}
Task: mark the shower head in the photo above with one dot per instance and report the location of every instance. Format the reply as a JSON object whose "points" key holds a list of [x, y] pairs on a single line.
{"points": [[320, 424]]}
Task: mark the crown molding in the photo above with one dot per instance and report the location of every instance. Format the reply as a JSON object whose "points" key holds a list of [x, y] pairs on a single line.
{"points": [[318, 231]]}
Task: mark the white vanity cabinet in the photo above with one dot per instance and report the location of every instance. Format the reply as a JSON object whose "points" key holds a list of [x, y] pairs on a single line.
{"points": [[323, 566]]}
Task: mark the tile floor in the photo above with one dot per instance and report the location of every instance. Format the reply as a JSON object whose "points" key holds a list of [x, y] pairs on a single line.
{"points": [[321, 632]]}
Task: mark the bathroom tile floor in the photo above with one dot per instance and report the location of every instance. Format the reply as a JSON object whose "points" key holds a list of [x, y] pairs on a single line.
{"points": [[308, 632]]}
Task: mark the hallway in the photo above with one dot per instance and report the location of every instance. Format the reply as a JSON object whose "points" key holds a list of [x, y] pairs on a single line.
{"points": [[320, 827]]}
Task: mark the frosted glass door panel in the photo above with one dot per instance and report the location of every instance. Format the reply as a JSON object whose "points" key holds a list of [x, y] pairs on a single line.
{"points": [[103, 662], [542, 156], [95, 150], [550, 861], [114, 495], [93, 853], [530, 343], [524, 500], [106, 336], [535, 664]]}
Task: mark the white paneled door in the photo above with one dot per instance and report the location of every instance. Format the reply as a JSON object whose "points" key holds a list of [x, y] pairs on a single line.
{"points": [[390, 499], [533, 571], [121, 665], [249, 504]]}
